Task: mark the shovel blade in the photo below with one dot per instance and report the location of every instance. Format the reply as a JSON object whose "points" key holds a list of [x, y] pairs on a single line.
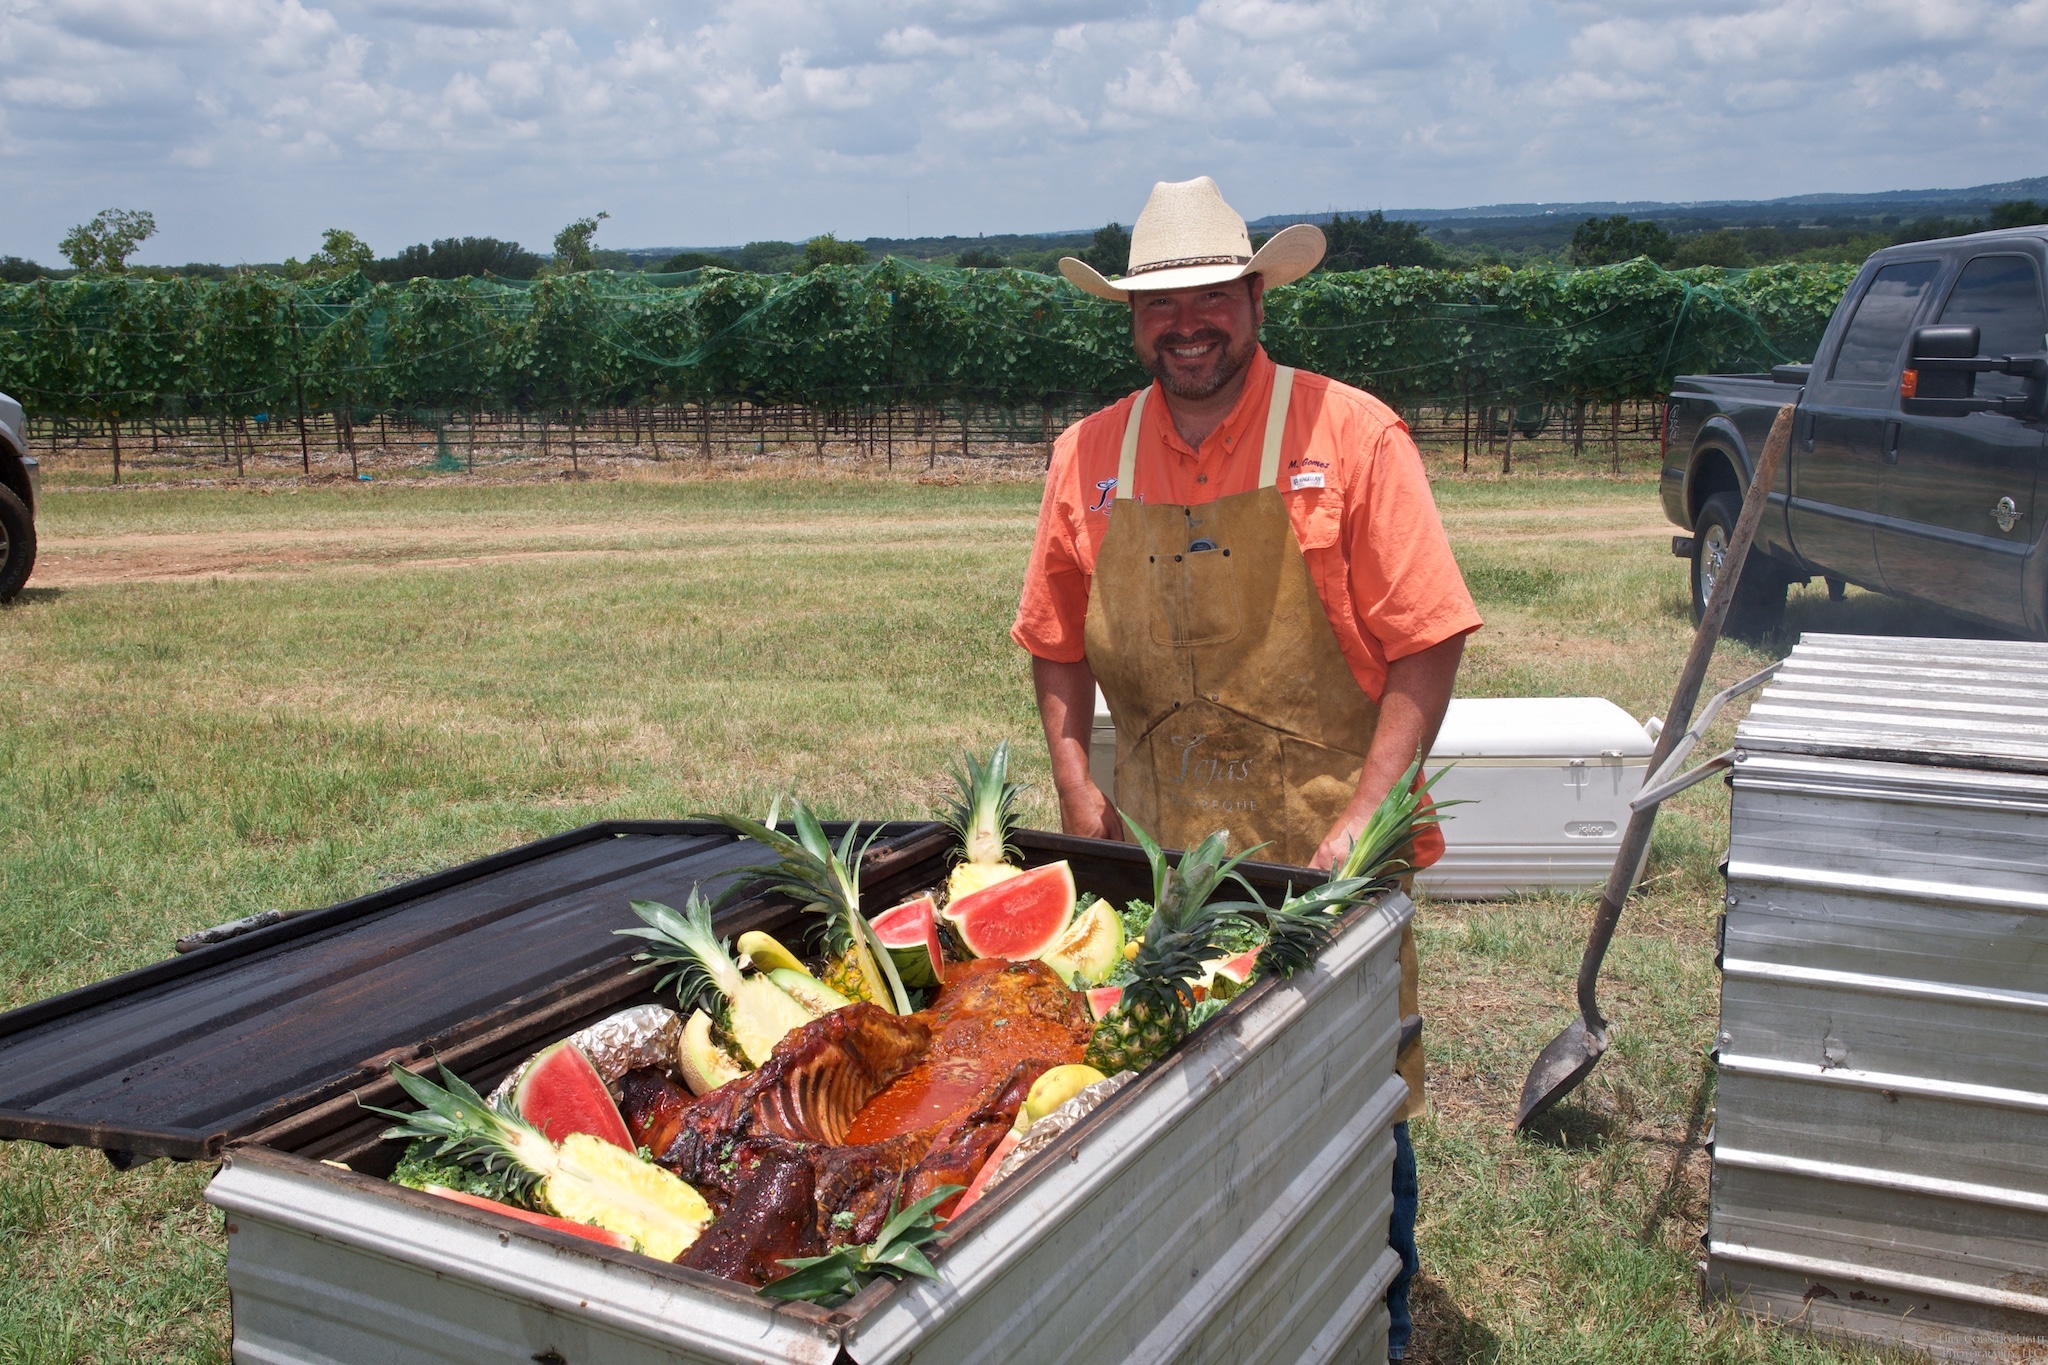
{"points": [[1558, 1070]]}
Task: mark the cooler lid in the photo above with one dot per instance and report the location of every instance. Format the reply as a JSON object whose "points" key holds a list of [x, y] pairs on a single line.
{"points": [[1477, 728], [179, 1058], [1958, 703]]}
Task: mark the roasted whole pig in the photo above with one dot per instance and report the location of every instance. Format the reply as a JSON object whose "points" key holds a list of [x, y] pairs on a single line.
{"points": [[878, 1109]]}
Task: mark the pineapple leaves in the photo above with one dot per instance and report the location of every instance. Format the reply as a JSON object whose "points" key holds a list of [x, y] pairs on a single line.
{"points": [[897, 1251], [823, 879], [1380, 851], [985, 809], [468, 1127], [685, 942]]}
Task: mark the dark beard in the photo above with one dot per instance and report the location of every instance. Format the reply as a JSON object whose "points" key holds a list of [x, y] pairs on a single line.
{"points": [[1228, 366]]}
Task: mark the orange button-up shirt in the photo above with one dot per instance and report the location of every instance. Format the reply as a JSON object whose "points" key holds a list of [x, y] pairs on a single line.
{"points": [[1355, 491]]}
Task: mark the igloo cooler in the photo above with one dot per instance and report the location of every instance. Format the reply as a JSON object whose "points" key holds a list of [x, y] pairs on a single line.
{"points": [[1231, 1204], [1547, 781]]}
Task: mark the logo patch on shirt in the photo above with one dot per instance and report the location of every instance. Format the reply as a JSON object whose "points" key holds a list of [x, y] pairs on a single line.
{"points": [[1105, 487], [1301, 481]]}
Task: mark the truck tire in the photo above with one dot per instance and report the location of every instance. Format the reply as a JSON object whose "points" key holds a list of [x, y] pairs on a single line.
{"points": [[1759, 604], [17, 544]]}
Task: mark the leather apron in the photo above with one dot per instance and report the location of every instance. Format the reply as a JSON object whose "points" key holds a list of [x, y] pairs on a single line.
{"points": [[1234, 705]]}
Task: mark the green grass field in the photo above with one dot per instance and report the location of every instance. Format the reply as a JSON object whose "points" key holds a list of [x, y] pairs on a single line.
{"points": [[220, 702]]}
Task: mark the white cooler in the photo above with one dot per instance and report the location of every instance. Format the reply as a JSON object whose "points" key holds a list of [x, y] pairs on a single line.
{"points": [[1547, 779]]}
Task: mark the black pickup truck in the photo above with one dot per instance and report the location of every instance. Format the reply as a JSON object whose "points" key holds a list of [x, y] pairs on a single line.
{"points": [[18, 489], [1916, 448]]}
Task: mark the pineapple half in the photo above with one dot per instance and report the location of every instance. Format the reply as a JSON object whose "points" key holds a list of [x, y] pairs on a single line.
{"points": [[762, 1012], [981, 815], [585, 1179]]}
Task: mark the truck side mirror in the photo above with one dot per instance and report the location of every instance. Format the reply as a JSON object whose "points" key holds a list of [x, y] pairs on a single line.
{"points": [[1940, 379], [1936, 381]]}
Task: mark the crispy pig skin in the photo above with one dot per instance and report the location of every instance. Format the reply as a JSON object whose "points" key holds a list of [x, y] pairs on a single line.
{"points": [[995, 1027], [652, 1105], [771, 1220], [808, 1091]]}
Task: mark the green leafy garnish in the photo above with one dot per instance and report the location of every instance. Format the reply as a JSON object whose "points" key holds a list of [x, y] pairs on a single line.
{"points": [[894, 1252]]}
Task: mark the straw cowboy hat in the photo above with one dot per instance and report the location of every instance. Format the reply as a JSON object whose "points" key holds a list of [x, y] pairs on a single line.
{"points": [[1188, 237]]}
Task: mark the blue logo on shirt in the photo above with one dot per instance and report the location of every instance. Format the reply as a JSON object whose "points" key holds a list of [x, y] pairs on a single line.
{"points": [[1104, 487]]}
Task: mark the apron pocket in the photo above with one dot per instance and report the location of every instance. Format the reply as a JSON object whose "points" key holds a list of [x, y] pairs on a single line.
{"points": [[1199, 591]]}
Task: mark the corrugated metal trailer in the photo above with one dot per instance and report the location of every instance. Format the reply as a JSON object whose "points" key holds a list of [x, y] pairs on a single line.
{"points": [[1229, 1205], [1881, 1133]]}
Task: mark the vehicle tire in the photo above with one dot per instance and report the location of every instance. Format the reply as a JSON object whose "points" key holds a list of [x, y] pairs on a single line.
{"points": [[17, 544], [1759, 604]]}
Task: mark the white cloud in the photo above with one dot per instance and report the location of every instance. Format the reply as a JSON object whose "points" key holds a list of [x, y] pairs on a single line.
{"points": [[248, 125]]}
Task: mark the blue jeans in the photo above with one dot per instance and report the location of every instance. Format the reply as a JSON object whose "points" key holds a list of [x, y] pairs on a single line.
{"points": [[1401, 1237]]}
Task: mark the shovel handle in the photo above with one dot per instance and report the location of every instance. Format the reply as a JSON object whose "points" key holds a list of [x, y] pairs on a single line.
{"points": [[1635, 840]]}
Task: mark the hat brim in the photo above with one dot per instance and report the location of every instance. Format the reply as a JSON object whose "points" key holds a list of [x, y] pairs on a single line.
{"points": [[1291, 253]]}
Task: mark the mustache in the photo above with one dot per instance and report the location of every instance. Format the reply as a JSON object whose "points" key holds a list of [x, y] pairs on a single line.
{"points": [[1197, 338]]}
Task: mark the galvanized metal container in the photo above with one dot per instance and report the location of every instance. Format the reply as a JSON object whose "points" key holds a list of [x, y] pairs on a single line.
{"points": [[1230, 1205], [1881, 1138]]}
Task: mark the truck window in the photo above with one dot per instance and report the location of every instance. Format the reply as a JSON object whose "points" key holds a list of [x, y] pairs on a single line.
{"points": [[2001, 297], [1870, 348]]}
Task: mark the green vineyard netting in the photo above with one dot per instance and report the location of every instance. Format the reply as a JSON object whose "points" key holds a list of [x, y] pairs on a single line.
{"points": [[859, 337]]}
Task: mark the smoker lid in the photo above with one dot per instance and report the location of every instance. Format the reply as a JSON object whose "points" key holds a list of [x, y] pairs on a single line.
{"points": [[1479, 728], [1956, 703], [178, 1058]]}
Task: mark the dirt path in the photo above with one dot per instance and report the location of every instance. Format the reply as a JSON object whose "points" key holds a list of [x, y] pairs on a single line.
{"points": [[79, 561]]}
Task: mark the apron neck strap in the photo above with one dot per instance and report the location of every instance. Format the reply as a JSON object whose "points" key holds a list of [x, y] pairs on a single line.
{"points": [[1127, 462], [1276, 425], [1269, 453]]}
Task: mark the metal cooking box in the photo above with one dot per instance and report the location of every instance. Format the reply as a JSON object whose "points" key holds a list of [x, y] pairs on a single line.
{"points": [[1547, 781], [1229, 1205], [1881, 1131]]}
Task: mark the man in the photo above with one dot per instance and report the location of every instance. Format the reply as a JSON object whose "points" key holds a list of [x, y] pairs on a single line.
{"points": [[1248, 560]]}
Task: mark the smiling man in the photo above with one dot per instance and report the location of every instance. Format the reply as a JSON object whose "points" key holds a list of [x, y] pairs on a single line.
{"points": [[1248, 560]]}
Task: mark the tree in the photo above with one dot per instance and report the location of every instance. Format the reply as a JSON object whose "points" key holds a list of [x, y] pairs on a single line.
{"points": [[979, 258], [572, 245], [340, 252], [1356, 243], [106, 243], [825, 249], [15, 270], [1722, 247], [693, 260], [1110, 252], [2017, 213], [1606, 241], [454, 258], [769, 258]]}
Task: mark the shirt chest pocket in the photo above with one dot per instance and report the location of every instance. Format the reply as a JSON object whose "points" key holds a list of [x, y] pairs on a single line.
{"points": [[1317, 515]]}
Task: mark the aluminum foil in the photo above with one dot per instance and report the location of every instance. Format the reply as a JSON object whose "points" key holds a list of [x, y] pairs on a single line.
{"points": [[1048, 1129], [646, 1035]]}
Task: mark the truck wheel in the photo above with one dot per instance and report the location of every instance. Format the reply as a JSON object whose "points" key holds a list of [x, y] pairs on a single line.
{"points": [[1759, 603], [17, 544]]}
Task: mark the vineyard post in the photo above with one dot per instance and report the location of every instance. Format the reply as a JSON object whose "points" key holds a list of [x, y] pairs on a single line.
{"points": [[1507, 450], [114, 430], [1614, 433], [305, 454]]}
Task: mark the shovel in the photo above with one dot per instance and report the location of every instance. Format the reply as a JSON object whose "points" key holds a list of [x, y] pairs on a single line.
{"points": [[1573, 1053]]}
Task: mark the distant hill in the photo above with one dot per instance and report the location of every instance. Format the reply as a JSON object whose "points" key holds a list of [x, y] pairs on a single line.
{"points": [[1915, 203]]}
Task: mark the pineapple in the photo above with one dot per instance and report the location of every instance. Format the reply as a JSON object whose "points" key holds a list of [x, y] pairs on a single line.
{"points": [[1187, 928], [585, 1179], [1301, 926], [762, 1012], [982, 815], [822, 878]]}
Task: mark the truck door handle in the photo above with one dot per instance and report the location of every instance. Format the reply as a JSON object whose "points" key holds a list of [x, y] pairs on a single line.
{"points": [[1891, 442]]}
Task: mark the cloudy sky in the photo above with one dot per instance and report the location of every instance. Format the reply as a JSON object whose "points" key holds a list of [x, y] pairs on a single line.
{"points": [[247, 126]]}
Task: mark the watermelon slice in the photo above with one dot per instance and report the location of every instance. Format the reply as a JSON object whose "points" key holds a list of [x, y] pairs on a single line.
{"points": [[986, 1173], [1103, 1000], [911, 934], [561, 1093], [539, 1220], [1017, 919]]}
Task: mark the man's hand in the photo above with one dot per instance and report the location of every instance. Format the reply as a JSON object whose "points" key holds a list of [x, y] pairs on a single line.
{"points": [[1066, 707], [1085, 811], [1412, 707]]}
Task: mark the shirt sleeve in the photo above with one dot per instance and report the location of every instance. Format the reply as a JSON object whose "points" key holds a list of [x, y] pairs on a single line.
{"points": [[1053, 609], [1405, 584]]}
